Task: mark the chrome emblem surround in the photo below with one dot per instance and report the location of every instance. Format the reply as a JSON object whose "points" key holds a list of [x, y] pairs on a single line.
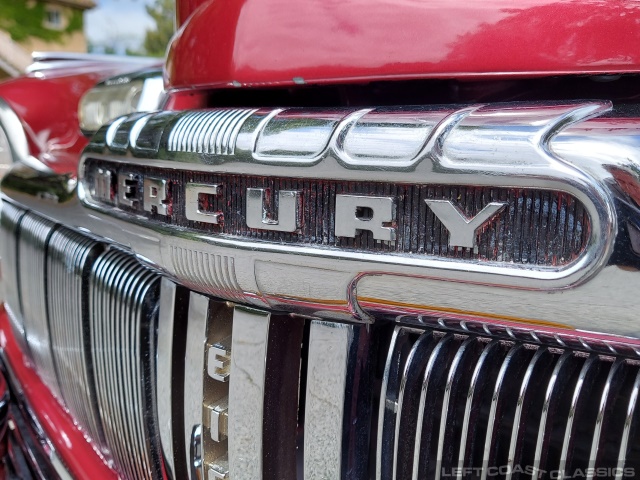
{"points": [[440, 145], [563, 148]]}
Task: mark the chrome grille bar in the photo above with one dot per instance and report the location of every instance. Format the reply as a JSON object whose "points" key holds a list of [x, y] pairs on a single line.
{"points": [[34, 235], [90, 326], [70, 257], [123, 302], [10, 226], [491, 405]]}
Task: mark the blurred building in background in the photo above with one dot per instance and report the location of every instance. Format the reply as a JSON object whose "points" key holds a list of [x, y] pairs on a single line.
{"points": [[39, 25]]}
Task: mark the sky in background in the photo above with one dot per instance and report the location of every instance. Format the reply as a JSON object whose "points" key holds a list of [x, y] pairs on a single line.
{"points": [[117, 23]]}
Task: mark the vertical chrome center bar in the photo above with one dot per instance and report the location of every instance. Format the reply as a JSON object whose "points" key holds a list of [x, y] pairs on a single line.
{"points": [[194, 369], [246, 392], [337, 402]]}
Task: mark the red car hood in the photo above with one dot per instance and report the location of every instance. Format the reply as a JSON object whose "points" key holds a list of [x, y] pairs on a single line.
{"points": [[285, 42]]}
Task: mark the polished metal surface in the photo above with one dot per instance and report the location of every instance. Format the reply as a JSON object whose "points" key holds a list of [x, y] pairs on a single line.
{"points": [[192, 194], [166, 391], [349, 285], [462, 230], [194, 368], [10, 218], [327, 376], [247, 391], [69, 260], [91, 317], [258, 215], [34, 237], [326, 214], [207, 132], [434, 164], [155, 196], [491, 406], [122, 325], [349, 221]]}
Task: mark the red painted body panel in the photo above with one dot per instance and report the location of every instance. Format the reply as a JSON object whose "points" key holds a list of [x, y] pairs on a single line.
{"points": [[47, 103], [284, 42], [48, 109], [69, 442]]}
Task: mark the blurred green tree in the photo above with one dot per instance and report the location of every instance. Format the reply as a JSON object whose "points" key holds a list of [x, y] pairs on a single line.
{"points": [[163, 13]]}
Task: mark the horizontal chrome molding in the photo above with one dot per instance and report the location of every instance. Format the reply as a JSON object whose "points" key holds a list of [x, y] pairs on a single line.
{"points": [[593, 294]]}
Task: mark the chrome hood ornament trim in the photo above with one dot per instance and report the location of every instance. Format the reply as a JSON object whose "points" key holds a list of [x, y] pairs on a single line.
{"points": [[269, 261]]}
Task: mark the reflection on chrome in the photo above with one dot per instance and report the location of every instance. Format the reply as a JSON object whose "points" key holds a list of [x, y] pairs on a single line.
{"points": [[301, 321]]}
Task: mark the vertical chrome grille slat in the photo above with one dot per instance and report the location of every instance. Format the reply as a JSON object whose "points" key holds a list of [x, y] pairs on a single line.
{"points": [[560, 372], [121, 287], [10, 221], [69, 257], [535, 374], [468, 352], [483, 377], [34, 236], [629, 424], [388, 404], [90, 320], [411, 381], [582, 390], [499, 406], [502, 397], [431, 399], [607, 397]]}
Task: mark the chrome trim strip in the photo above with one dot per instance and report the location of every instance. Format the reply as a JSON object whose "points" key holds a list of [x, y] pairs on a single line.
{"points": [[10, 220], [442, 160], [624, 444], [434, 381], [121, 291], [327, 373], [388, 404], [35, 233], [69, 261], [165, 390], [246, 392], [569, 438], [194, 369], [416, 357], [463, 351], [556, 382], [519, 420], [477, 383], [606, 397]]}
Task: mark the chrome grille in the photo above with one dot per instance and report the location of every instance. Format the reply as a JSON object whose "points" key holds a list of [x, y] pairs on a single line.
{"points": [[90, 320], [9, 227], [34, 235], [123, 305], [70, 257], [464, 406]]}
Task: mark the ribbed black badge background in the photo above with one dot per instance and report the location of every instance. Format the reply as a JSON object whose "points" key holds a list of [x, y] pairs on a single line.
{"points": [[537, 227]]}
